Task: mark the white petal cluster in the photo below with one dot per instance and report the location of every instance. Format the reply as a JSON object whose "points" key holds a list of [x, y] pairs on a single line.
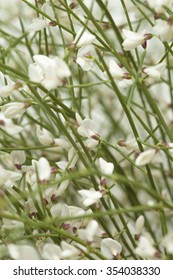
{"points": [[145, 157], [50, 72], [134, 39]]}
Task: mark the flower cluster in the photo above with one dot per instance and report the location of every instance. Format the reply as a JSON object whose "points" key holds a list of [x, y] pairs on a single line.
{"points": [[86, 143]]}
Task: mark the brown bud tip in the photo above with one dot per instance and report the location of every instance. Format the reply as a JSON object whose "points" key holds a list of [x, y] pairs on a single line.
{"points": [[121, 143], [73, 5], [157, 15], [127, 76], [52, 23], [95, 136], [2, 123]]}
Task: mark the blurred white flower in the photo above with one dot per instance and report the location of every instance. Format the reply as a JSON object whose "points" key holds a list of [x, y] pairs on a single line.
{"points": [[8, 126], [159, 5], [164, 30], [42, 22], [17, 158], [23, 252], [14, 109], [69, 251], [110, 248], [44, 136], [134, 39], [90, 196], [145, 157], [83, 38], [106, 168], [7, 86], [72, 160], [8, 177], [89, 232], [145, 248], [50, 72], [155, 72], [130, 144], [88, 128], [139, 224], [167, 242], [51, 252], [85, 57], [117, 72], [43, 168]]}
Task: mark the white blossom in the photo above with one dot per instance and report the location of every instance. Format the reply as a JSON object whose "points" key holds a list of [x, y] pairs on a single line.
{"points": [[72, 160], [8, 177], [51, 252], [156, 71], [106, 167], [89, 232], [69, 251], [145, 248], [43, 168], [159, 5], [167, 242], [110, 248], [134, 39], [41, 23], [23, 252], [164, 30], [139, 224], [14, 109], [145, 157], [85, 57], [50, 72], [83, 38], [18, 157], [90, 196], [88, 129]]}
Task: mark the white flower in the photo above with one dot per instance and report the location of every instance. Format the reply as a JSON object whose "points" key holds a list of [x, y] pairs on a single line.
{"points": [[69, 251], [8, 177], [6, 90], [50, 72], [14, 109], [43, 168], [164, 30], [88, 129], [145, 157], [107, 168], [145, 248], [110, 248], [44, 137], [139, 224], [158, 5], [83, 38], [51, 252], [41, 23], [134, 39], [117, 72], [18, 158], [22, 252], [155, 71], [85, 57], [8, 126], [90, 196], [89, 232], [72, 160], [130, 144], [167, 242], [62, 143], [7, 86]]}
